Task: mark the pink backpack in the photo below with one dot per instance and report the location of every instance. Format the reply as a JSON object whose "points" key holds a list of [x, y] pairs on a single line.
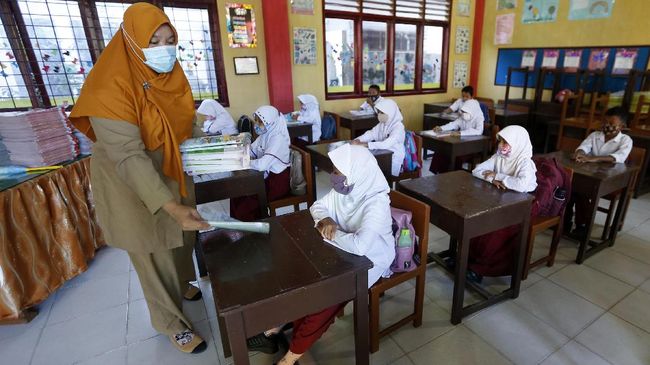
{"points": [[405, 258]]}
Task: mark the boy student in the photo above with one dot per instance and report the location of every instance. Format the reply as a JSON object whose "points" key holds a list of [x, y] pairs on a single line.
{"points": [[374, 97], [467, 93], [606, 145]]}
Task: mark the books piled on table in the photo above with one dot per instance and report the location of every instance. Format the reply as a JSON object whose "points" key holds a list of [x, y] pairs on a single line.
{"points": [[206, 155], [37, 137]]}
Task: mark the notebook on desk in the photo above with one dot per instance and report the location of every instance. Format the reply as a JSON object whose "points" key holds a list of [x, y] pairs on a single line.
{"points": [[436, 134]]}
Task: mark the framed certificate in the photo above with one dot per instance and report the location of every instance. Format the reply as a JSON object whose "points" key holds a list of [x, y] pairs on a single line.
{"points": [[246, 66]]}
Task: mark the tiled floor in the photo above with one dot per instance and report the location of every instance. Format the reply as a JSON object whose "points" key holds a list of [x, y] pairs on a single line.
{"points": [[596, 313]]}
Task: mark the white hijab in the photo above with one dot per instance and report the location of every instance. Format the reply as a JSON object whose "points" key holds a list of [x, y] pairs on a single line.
{"points": [[391, 109], [522, 150], [311, 114], [276, 140], [473, 108], [222, 122], [361, 169]]}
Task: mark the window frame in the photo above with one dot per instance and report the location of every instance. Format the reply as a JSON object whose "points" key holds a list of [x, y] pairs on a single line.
{"points": [[358, 18], [21, 44]]}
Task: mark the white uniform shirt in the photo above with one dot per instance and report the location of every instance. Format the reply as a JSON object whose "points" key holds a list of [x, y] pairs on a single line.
{"points": [[387, 138], [523, 180], [457, 105], [618, 147]]}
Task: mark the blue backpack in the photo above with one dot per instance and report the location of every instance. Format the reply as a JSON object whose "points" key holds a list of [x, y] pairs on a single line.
{"points": [[328, 127], [411, 160], [486, 113]]}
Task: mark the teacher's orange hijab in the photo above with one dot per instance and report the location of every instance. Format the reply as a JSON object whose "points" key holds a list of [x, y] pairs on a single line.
{"points": [[121, 87]]}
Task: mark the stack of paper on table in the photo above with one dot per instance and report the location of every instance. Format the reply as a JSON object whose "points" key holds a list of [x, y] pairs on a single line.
{"points": [[37, 138], [436, 134], [206, 155], [362, 112]]}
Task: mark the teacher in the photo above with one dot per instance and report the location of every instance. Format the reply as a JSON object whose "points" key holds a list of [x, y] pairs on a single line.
{"points": [[137, 105]]}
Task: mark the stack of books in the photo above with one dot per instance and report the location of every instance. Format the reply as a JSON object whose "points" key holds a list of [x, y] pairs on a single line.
{"points": [[207, 155], [36, 138]]}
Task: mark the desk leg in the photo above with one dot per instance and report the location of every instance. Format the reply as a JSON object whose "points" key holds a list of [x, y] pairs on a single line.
{"points": [[235, 328], [361, 335], [200, 262], [584, 243], [621, 206], [459, 280]]}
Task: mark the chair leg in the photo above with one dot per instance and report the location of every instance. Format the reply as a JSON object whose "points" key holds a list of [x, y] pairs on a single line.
{"points": [[296, 207], [272, 212], [555, 241], [419, 296], [608, 220], [529, 254], [374, 322]]}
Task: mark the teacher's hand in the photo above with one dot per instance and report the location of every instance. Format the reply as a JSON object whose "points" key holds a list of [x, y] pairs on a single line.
{"points": [[187, 217]]}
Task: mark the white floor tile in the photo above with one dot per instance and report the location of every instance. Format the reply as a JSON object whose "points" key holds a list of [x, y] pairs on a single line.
{"points": [[558, 307], [393, 307], [459, 346], [135, 289], [139, 326], [617, 341], [440, 289], [160, 351], [19, 348], [645, 286], [113, 357], [39, 322], [194, 311], [596, 287], [620, 266], [90, 297], [108, 261], [634, 247], [340, 351], [83, 337], [642, 232], [517, 334], [403, 361], [574, 353], [435, 322], [635, 308]]}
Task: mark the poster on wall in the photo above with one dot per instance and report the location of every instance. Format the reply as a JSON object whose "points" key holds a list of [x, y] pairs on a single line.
{"points": [[590, 9], [528, 58], [460, 74], [598, 59], [464, 7], [462, 39], [550, 58], [572, 58], [624, 60], [504, 28], [240, 23], [304, 46], [539, 11], [305, 7], [506, 4]]}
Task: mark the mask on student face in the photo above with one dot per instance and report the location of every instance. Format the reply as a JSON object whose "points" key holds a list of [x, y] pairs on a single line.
{"points": [[504, 150], [303, 108], [259, 129], [373, 97], [465, 116], [340, 185], [610, 129], [382, 117]]}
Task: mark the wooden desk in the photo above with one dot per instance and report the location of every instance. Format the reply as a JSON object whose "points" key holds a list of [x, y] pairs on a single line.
{"points": [[436, 107], [504, 118], [225, 185], [430, 120], [357, 124], [320, 159], [642, 140], [454, 147], [466, 207], [259, 281], [300, 129], [593, 181]]}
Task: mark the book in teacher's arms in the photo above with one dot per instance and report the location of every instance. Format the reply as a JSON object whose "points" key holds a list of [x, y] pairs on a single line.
{"points": [[210, 154]]}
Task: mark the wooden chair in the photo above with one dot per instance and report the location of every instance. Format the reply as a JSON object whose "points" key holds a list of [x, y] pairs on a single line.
{"points": [[540, 224], [405, 175], [569, 144], [641, 120], [636, 157], [487, 101], [570, 117], [597, 110], [420, 221], [337, 137], [295, 200]]}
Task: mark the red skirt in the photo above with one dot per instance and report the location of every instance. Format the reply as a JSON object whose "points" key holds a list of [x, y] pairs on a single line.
{"points": [[247, 208]]}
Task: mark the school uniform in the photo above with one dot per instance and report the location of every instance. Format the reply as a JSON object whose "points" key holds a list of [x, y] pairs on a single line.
{"points": [[310, 113], [457, 105], [470, 127], [269, 153], [370, 108], [492, 254], [220, 122], [364, 228], [389, 135]]}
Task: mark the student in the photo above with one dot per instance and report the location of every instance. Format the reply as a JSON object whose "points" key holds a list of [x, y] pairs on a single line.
{"points": [[467, 93], [387, 135], [215, 119], [355, 217], [143, 199], [511, 168], [374, 97], [607, 145], [310, 113], [470, 123], [269, 153]]}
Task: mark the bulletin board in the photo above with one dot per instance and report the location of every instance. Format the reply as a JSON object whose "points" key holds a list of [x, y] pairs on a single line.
{"points": [[511, 57]]}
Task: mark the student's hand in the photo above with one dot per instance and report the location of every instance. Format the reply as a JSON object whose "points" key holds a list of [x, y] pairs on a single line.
{"points": [[295, 116], [499, 184], [447, 111], [437, 129], [356, 142], [187, 217], [582, 158], [455, 134], [327, 228], [489, 174]]}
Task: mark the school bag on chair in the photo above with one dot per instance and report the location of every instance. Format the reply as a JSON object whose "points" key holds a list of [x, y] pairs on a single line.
{"points": [[553, 187], [328, 127], [245, 124], [405, 241], [411, 160], [297, 181]]}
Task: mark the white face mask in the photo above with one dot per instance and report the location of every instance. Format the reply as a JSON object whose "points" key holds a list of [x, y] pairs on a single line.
{"points": [[383, 118], [465, 116], [160, 59]]}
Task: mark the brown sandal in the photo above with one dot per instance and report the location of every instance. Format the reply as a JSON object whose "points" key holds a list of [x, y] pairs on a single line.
{"points": [[188, 342], [193, 293]]}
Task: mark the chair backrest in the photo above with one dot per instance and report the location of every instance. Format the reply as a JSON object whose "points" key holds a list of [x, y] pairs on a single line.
{"points": [[597, 110], [641, 117], [568, 144], [486, 112], [487, 101], [571, 105], [636, 158], [518, 108], [306, 172], [420, 219]]}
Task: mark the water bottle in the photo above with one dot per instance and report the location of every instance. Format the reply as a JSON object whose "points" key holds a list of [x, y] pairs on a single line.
{"points": [[404, 238]]}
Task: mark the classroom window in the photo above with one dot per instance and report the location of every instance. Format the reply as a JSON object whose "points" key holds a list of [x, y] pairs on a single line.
{"points": [[13, 93], [401, 45]]}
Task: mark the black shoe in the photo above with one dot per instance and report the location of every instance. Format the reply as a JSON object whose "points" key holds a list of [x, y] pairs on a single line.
{"points": [[262, 343], [474, 277]]}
